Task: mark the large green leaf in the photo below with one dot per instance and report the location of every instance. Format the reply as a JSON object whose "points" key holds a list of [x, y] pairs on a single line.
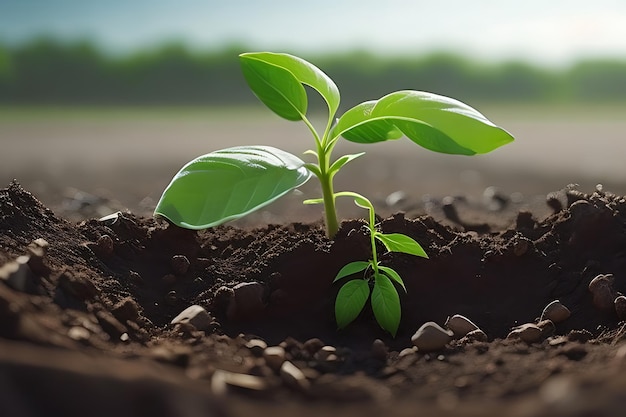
{"points": [[438, 123], [386, 304], [350, 301], [273, 78], [228, 184]]}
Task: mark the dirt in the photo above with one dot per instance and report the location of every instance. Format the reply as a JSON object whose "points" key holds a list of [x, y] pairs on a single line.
{"points": [[86, 311]]}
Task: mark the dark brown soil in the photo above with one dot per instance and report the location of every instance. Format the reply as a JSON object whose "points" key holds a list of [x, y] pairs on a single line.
{"points": [[85, 329]]}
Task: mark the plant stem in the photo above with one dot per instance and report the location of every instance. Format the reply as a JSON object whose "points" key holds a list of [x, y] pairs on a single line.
{"points": [[366, 204], [328, 194]]}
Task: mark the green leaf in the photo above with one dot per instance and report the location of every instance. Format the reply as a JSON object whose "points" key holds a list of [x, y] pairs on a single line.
{"points": [[397, 242], [341, 161], [351, 268], [386, 304], [393, 275], [350, 301], [438, 123], [271, 76], [228, 184]]}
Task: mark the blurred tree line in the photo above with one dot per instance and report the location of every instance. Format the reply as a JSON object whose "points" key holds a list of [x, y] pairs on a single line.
{"points": [[49, 72]]}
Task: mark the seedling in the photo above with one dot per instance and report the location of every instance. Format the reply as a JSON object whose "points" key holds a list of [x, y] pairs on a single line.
{"points": [[354, 294], [231, 183]]}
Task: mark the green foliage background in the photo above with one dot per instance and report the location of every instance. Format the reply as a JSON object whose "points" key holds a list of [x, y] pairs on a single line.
{"points": [[48, 72]]}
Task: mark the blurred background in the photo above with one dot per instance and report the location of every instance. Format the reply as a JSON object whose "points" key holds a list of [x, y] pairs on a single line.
{"points": [[102, 102]]}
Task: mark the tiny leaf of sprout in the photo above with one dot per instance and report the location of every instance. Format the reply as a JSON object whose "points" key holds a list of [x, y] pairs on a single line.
{"points": [[386, 304], [397, 242], [351, 269], [350, 301], [393, 275]]}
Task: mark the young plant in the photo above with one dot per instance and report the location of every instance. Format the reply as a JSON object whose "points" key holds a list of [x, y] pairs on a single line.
{"points": [[377, 279], [231, 183]]}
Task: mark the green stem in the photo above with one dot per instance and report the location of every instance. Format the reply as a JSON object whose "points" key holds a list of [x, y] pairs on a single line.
{"points": [[366, 204]]}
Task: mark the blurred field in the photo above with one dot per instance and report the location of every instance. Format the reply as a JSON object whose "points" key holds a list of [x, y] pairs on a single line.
{"points": [[130, 154]]}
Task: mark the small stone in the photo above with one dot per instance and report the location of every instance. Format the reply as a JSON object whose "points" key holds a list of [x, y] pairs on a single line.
{"points": [[556, 312], [104, 246], [127, 309], [603, 294], [547, 328], [431, 337], [407, 352], [294, 377], [313, 345], [171, 298], [274, 357], [475, 336], [179, 264], [195, 315], [325, 352], [78, 333], [222, 381], [460, 325], [246, 301], [124, 337], [620, 307], [529, 333], [18, 274], [379, 350], [256, 346]]}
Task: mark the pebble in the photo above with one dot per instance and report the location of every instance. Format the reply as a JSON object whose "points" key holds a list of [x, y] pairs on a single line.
{"points": [[529, 333], [222, 381], [325, 352], [246, 301], [17, 274], [431, 337], [476, 336], [127, 309], [313, 345], [179, 264], [104, 246], [195, 315], [78, 333], [379, 350], [294, 377], [556, 312], [460, 325], [620, 307], [256, 346], [603, 294], [547, 328], [274, 357]]}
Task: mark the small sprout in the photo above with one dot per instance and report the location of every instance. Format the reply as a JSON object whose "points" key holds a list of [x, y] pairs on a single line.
{"points": [[354, 294]]}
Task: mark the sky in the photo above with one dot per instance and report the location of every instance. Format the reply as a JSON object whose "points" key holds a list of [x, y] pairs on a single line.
{"points": [[550, 32]]}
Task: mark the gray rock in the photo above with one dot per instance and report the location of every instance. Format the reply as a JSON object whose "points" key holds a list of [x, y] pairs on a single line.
{"points": [[529, 333], [556, 312], [431, 337], [195, 315], [294, 377], [460, 325], [603, 293], [223, 381], [274, 357], [620, 307]]}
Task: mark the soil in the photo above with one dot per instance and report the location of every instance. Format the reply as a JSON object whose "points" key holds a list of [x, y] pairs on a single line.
{"points": [[86, 311]]}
